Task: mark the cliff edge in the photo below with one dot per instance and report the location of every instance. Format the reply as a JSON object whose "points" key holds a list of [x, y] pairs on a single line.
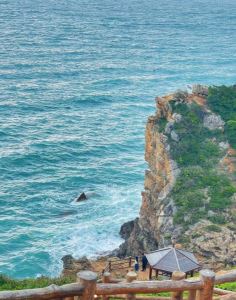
{"points": [[189, 192]]}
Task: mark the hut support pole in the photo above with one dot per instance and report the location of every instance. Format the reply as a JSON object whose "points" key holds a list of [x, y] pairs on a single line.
{"points": [[150, 273], [177, 276]]}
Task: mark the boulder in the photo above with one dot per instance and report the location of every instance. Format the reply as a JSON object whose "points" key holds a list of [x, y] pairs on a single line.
{"points": [[213, 122], [82, 197], [126, 229], [72, 266], [200, 90]]}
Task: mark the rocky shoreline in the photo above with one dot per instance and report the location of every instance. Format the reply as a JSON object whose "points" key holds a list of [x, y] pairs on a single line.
{"points": [[156, 227]]}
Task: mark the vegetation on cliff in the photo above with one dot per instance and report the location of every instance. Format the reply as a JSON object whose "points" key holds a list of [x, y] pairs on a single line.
{"points": [[189, 189], [203, 189], [222, 100]]}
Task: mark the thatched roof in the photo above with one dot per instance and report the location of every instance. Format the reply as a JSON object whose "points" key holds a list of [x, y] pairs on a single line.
{"points": [[171, 259]]}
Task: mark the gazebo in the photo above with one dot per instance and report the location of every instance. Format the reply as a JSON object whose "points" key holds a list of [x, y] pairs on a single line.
{"points": [[170, 259]]}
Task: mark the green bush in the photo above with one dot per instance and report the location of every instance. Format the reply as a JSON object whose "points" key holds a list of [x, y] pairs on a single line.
{"points": [[218, 219], [222, 100], [230, 129], [213, 228], [162, 124]]}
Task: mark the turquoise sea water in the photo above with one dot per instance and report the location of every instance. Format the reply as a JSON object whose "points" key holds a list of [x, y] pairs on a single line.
{"points": [[77, 82]]}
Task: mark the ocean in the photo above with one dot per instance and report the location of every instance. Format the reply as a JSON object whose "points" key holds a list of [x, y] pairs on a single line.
{"points": [[78, 80]]}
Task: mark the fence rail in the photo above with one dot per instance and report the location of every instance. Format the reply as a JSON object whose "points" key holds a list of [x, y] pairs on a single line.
{"points": [[118, 264], [87, 288]]}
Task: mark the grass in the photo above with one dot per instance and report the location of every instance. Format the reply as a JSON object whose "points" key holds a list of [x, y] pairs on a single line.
{"points": [[229, 286], [7, 283]]}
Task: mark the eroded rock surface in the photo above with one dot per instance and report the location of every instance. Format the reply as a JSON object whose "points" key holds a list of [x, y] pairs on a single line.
{"points": [[156, 226]]}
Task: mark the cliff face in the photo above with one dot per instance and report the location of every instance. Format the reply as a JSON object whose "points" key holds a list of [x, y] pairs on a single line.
{"points": [[189, 189]]}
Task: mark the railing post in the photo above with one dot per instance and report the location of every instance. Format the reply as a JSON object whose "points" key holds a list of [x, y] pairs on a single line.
{"points": [[192, 294], [88, 279], [109, 265], [130, 261], [208, 279], [177, 275], [106, 279], [131, 276]]}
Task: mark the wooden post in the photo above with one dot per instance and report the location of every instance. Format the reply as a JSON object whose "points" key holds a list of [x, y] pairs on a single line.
{"points": [[88, 280], [192, 294], [150, 273], [131, 276], [106, 279], [130, 262], [177, 275], [109, 268], [208, 279], [198, 295]]}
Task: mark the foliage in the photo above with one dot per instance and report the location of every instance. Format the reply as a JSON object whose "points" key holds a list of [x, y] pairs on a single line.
{"points": [[218, 219], [213, 227], [7, 283], [230, 129], [229, 286], [200, 187], [222, 100], [162, 124], [196, 146]]}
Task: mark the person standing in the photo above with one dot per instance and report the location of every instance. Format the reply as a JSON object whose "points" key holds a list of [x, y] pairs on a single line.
{"points": [[136, 264], [144, 262]]}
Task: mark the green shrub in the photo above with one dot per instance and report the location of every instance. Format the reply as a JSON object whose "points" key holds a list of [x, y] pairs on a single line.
{"points": [[222, 100], [218, 219], [230, 129], [213, 228], [162, 124]]}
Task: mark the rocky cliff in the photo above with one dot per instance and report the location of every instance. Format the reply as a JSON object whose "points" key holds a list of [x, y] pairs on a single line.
{"points": [[189, 192]]}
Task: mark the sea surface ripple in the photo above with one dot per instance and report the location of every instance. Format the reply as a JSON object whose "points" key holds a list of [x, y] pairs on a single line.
{"points": [[77, 82]]}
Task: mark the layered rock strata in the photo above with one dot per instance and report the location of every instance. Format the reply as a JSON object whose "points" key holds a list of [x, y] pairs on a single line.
{"points": [[156, 226]]}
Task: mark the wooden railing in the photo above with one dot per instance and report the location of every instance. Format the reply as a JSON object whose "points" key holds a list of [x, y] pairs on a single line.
{"points": [[87, 288], [118, 264]]}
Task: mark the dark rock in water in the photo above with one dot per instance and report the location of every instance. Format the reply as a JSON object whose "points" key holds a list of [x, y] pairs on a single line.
{"points": [[71, 265], [82, 197]]}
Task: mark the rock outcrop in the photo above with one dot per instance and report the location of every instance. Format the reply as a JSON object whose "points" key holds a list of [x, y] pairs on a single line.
{"points": [[71, 265], [208, 226]]}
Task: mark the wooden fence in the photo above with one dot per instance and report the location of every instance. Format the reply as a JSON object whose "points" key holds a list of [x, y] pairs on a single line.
{"points": [[118, 264], [87, 288]]}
